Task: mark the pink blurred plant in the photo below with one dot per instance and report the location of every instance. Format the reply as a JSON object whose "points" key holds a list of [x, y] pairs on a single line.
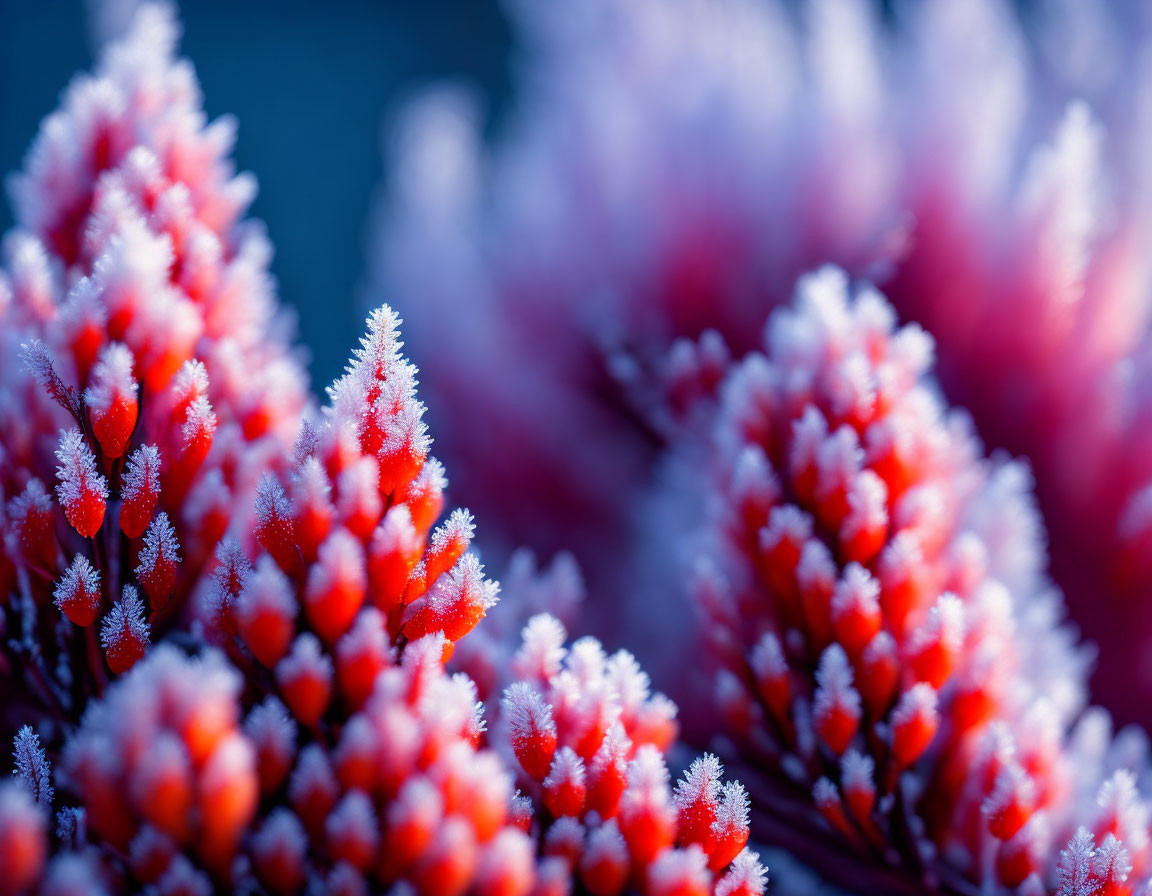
{"points": [[672, 168]]}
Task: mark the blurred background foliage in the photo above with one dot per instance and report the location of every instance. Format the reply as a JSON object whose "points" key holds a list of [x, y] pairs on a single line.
{"points": [[311, 85]]}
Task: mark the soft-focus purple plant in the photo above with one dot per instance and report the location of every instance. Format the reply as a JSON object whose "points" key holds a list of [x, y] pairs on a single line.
{"points": [[671, 168]]}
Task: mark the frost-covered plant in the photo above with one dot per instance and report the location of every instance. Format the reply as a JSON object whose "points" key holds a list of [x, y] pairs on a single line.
{"points": [[324, 746], [355, 575], [360, 763], [145, 382], [350, 528], [159, 785], [401, 794], [589, 740], [891, 657], [357, 764], [673, 167], [369, 749], [165, 775], [895, 682]]}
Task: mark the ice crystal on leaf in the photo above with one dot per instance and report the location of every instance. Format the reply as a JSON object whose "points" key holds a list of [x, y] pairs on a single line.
{"points": [[139, 490], [125, 633], [889, 650], [78, 593], [82, 491], [32, 768]]}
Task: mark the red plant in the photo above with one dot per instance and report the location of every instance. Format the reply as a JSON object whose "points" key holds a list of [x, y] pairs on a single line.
{"points": [[890, 649], [352, 607], [590, 741]]}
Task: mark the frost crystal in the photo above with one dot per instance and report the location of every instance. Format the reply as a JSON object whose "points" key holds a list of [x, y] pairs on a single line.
{"points": [[32, 768], [159, 560], [82, 491]]}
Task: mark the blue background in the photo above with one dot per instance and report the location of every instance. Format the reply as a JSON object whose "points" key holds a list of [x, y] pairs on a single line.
{"points": [[311, 85]]}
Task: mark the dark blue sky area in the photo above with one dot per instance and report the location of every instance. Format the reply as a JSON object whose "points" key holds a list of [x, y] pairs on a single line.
{"points": [[311, 83]]}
